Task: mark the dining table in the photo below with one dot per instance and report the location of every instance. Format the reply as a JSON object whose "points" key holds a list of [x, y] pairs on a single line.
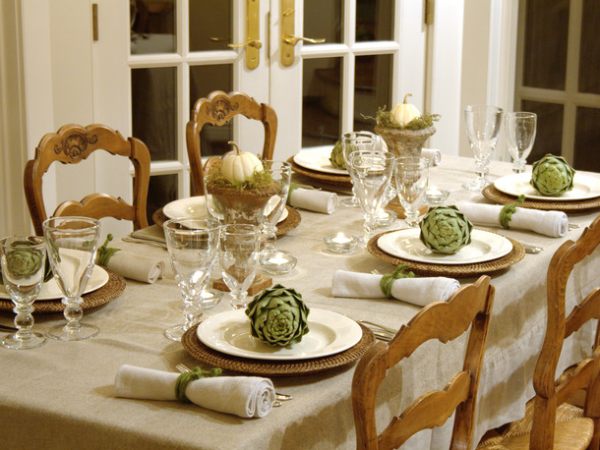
{"points": [[61, 395]]}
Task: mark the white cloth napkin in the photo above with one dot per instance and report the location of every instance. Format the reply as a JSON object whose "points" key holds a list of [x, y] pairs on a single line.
{"points": [[433, 154], [418, 291], [136, 267], [245, 397], [313, 200], [548, 223], [153, 233]]}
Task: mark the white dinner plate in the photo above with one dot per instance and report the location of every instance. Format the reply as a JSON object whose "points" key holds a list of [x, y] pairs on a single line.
{"points": [[51, 291], [330, 333], [406, 244], [585, 186], [195, 208], [317, 159]]}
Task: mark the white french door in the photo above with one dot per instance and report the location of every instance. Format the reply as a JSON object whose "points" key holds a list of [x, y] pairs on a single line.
{"points": [[154, 59]]}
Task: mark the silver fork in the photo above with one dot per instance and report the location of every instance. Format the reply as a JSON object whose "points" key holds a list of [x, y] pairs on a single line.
{"points": [[278, 395], [573, 226]]}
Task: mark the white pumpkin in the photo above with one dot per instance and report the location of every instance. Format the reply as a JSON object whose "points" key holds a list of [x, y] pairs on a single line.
{"points": [[404, 112], [238, 166]]}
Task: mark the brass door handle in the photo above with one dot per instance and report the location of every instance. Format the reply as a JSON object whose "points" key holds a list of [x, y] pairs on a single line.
{"points": [[254, 43], [293, 40]]}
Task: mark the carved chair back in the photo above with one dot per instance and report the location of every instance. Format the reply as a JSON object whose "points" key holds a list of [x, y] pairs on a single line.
{"points": [[445, 321], [550, 393], [218, 109], [72, 144]]}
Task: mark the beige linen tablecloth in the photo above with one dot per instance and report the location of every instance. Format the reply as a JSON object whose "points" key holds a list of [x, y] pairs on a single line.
{"points": [[60, 396]]}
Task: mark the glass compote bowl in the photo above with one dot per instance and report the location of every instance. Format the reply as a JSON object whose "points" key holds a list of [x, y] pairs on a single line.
{"points": [[411, 177], [71, 243], [520, 131], [193, 246], [483, 124], [260, 205], [23, 262], [371, 173], [239, 250]]}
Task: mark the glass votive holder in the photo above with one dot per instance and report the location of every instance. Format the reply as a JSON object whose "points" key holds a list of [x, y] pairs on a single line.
{"points": [[435, 196], [277, 262], [340, 242]]}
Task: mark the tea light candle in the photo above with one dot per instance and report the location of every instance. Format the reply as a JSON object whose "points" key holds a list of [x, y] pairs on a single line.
{"points": [[435, 196], [278, 262], [340, 242]]}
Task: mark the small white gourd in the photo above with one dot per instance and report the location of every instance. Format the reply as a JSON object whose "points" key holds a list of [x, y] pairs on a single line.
{"points": [[239, 166], [404, 112]]}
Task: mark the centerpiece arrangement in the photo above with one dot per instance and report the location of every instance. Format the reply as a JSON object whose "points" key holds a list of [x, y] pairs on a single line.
{"points": [[404, 128], [552, 176], [445, 230], [240, 190], [278, 316]]}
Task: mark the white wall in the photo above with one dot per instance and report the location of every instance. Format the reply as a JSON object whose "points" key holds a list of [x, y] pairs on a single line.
{"points": [[14, 218]]}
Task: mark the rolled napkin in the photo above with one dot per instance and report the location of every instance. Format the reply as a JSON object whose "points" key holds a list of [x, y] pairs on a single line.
{"points": [[136, 267], [433, 154], [418, 291], [548, 223], [313, 200], [245, 397]]}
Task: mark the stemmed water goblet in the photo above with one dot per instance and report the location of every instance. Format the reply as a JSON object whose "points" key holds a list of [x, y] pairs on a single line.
{"points": [[23, 262], [520, 131], [71, 243], [483, 124], [193, 246], [411, 179], [365, 140], [371, 173], [239, 251]]}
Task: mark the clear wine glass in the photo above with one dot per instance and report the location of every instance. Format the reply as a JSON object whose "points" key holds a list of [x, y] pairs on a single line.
{"points": [[520, 131], [193, 246], [483, 125], [71, 243], [411, 177], [371, 173], [240, 246], [23, 262]]}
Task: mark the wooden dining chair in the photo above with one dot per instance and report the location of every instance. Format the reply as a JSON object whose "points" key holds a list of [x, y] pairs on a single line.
{"points": [[218, 109], [72, 144], [549, 422], [445, 321]]}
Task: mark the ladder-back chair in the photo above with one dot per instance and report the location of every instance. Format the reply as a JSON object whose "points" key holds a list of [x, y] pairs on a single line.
{"points": [[549, 422], [70, 145], [471, 307]]}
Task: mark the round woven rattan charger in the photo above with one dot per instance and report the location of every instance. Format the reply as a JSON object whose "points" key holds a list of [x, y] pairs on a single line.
{"points": [[270, 368], [459, 271], [327, 178], [572, 206], [291, 221], [111, 290]]}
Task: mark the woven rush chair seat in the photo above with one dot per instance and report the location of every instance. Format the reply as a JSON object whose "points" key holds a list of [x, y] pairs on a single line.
{"points": [[573, 431]]}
